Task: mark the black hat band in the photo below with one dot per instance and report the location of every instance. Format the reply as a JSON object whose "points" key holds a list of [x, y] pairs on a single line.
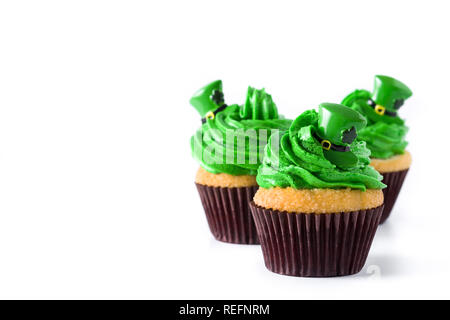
{"points": [[381, 110], [328, 145], [212, 114]]}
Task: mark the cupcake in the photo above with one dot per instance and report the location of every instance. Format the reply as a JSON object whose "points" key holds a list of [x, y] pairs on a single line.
{"points": [[228, 147], [385, 133], [319, 201]]}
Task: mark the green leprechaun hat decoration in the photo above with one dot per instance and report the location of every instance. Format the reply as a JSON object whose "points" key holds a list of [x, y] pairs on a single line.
{"points": [[337, 128], [389, 95], [209, 100], [383, 103]]}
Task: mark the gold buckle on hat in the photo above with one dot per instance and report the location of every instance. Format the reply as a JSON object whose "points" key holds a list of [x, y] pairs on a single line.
{"points": [[210, 115], [326, 144], [380, 110]]}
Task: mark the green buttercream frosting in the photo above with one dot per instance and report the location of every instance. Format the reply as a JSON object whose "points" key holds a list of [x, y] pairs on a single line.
{"points": [[233, 142], [301, 161], [384, 140], [384, 133]]}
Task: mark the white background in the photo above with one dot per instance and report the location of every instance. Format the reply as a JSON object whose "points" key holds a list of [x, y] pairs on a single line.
{"points": [[97, 195]]}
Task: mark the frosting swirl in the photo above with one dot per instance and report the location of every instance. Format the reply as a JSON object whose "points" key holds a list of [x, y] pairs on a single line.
{"points": [[300, 162], [384, 140], [234, 140], [384, 135]]}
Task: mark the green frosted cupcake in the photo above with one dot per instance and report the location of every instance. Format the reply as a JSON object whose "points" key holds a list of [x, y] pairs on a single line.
{"points": [[319, 201], [228, 147], [385, 133]]}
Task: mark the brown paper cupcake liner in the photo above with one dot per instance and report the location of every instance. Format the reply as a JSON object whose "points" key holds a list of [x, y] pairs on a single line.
{"points": [[315, 245], [228, 214], [394, 181]]}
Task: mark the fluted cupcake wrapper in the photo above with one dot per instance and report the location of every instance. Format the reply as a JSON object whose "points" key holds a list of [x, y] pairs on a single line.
{"points": [[228, 214], [394, 181], [315, 245]]}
